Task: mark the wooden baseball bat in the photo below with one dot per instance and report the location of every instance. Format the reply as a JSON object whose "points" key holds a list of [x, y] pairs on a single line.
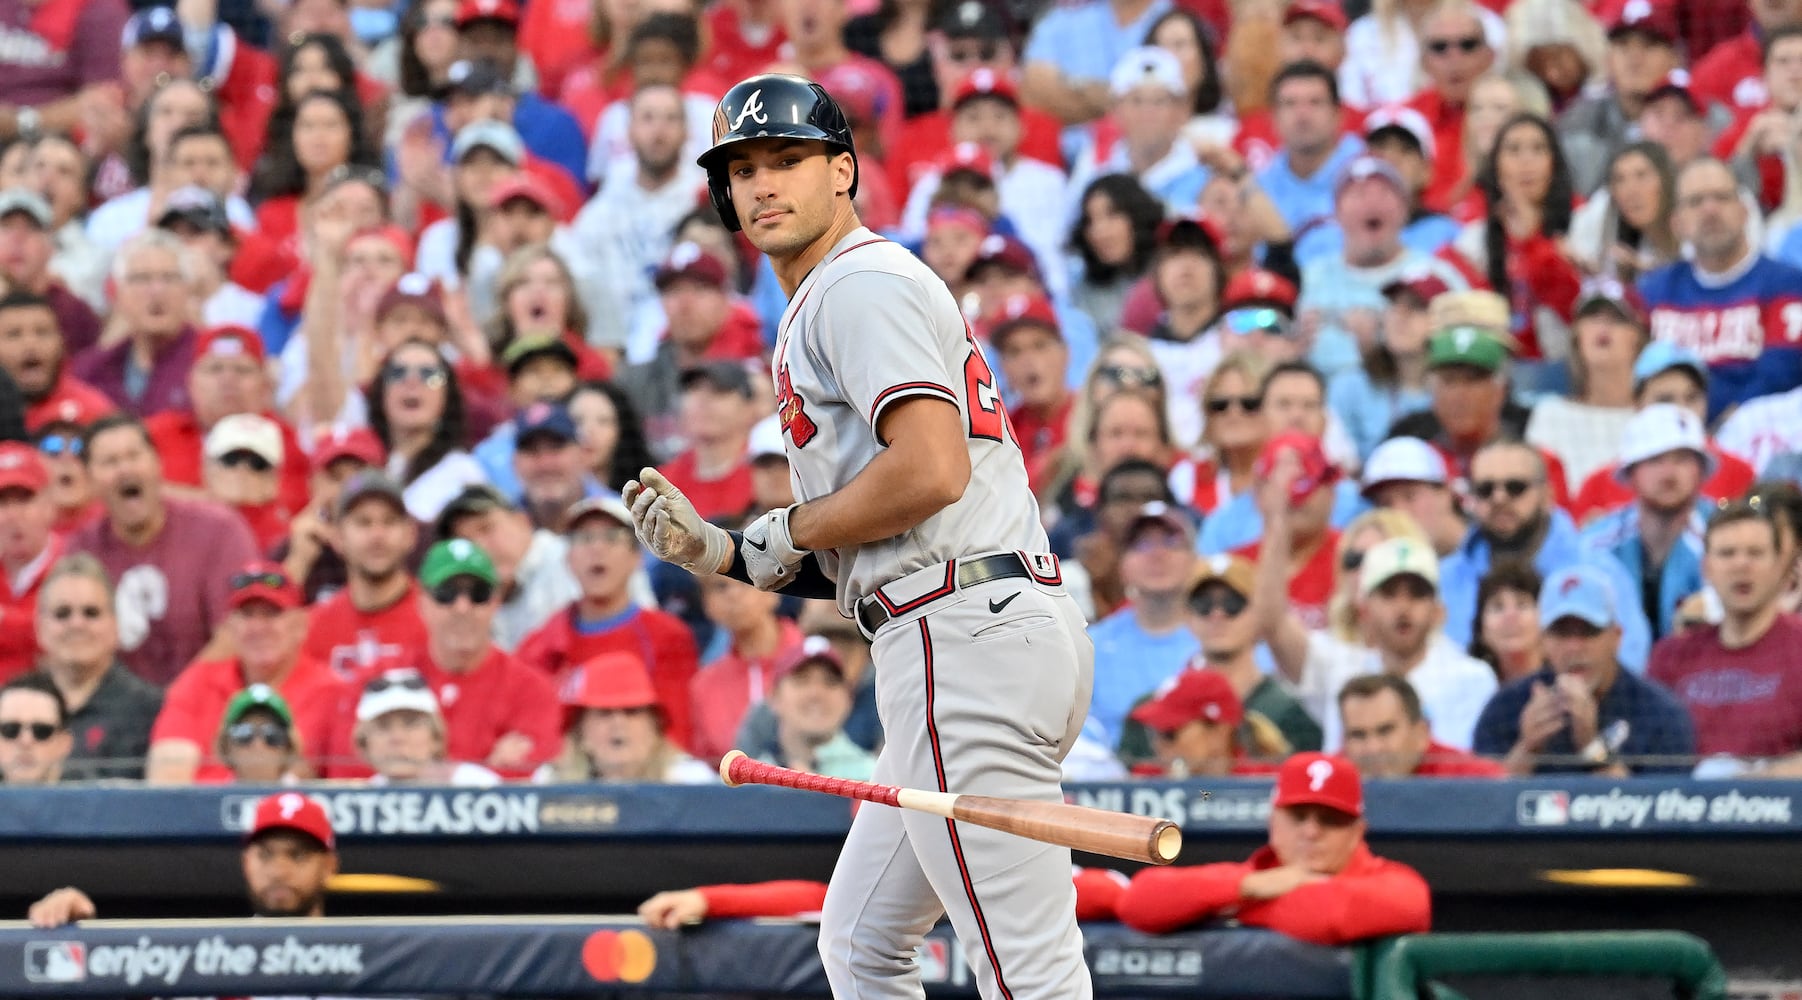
{"points": [[1097, 831]]}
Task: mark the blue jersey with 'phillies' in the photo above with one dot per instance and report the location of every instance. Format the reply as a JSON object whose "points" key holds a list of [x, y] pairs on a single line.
{"points": [[1749, 330]]}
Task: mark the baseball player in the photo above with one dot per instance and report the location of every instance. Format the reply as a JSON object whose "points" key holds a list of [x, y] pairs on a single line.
{"points": [[915, 516]]}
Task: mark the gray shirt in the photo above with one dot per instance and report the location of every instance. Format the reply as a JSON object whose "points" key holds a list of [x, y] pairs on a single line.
{"points": [[112, 731]]}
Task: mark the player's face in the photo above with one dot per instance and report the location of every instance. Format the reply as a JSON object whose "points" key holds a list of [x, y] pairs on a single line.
{"points": [[785, 191], [619, 742], [1315, 838], [1574, 646], [1399, 616], [286, 874], [1668, 483], [127, 476], [602, 555], [1678, 386], [25, 759], [75, 624], [1227, 628], [812, 703], [1033, 360], [1741, 562], [1379, 736]]}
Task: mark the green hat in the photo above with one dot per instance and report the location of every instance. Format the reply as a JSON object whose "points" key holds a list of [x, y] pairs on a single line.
{"points": [[257, 696], [1466, 345], [527, 348], [457, 557]]}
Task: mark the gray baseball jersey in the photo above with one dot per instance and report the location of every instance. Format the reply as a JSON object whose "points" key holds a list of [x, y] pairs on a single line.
{"points": [[870, 326]]}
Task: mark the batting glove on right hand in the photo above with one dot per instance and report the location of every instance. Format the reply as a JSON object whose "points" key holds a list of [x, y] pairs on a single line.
{"points": [[669, 526]]}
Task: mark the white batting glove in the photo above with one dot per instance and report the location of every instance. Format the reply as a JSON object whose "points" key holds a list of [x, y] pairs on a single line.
{"points": [[669, 526], [769, 553]]}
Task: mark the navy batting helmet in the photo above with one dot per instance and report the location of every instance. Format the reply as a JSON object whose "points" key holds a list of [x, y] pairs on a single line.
{"points": [[771, 106]]}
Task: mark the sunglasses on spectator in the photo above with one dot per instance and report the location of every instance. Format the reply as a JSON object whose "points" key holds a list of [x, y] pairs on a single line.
{"points": [[40, 731], [241, 581], [245, 459], [273, 735], [1466, 45], [1351, 560], [432, 375], [1514, 488], [478, 591], [1248, 405], [1209, 601], [1130, 375], [57, 445], [405, 680], [1246, 322], [64, 612]]}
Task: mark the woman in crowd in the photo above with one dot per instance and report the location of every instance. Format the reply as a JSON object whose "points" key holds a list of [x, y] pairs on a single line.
{"points": [[1494, 99], [321, 134], [1364, 531], [1624, 231], [1191, 41], [1114, 239], [1516, 247], [484, 155], [1127, 424], [1392, 381], [536, 296], [1125, 363], [257, 739], [1583, 429], [174, 106], [615, 729], [416, 409], [1506, 634], [609, 429], [400, 733], [1559, 44], [417, 61], [1233, 434], [896, 35], [1383, 53]]}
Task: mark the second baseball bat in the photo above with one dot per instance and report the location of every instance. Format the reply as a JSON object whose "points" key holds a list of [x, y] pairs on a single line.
{"points": [[1097, 831]]}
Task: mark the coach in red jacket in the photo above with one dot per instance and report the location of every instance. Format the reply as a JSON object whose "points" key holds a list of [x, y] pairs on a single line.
{"points": [[1315, 881]]}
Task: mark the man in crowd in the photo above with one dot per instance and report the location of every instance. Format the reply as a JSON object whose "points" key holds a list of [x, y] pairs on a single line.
{"points": [[1402, 137], [1454, 52], [533, 578], [1006, 267], [1150, 104], [1642, 52], [1144, 644], [716, 412], [1024, 335], [26, 249], [724, 690], [1409, 475], [1737, 679], [1307, 544], [1386, 734], [242, 469], [172, 559], [1316, 880], [1584, 711], [311, 555], [810, 700], [1196, 723], [400, 734], [705, 324], [1313, 152], [34, 731], [27, 551], [34, 352], [375, 617], [111, 710], [541, 370], [146, 372], [551, 464]]}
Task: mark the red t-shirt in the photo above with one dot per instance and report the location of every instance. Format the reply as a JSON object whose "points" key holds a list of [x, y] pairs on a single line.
{"points": [[1601, 493], [173, 593], [195, 704], [278, 218], [1442, 761], [1041, 434], [660, 639], [351, 642], [70, 400], [1770, 168], [727, 688], [730, 55], [1312, 586], [727, 496], [1371, 897], [1745, 702], [179, 438], [1732, 73], [1448, 147], [555, 34], [18, 630]]}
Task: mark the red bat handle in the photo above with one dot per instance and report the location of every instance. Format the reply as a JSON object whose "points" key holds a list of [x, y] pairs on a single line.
{"points": [[738, 769]]}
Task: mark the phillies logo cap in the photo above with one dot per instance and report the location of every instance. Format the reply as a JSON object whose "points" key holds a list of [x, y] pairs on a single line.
{"points": [[1318, 779]]}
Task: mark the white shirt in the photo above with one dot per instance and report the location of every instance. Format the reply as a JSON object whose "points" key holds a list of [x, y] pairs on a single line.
{"points": [[121, 218], [544, 585], [427, 496], [1025, 189], [233, 304], [612, 142], [626, 231], [81, 266], [1763, 428], [1453, 686], [1382, 64]]}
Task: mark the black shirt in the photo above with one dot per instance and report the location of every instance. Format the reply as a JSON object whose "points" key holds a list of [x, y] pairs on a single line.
{"points": [[112, 731]]}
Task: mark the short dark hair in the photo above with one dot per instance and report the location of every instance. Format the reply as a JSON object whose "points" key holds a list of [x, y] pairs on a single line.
{"points": [[1371, 685], [677, 29], [1504, 575], [203, 130], [1737, 512], [42, 684], [1301, 368], [19, 298], [1307, 69], [1131, 467], [1772, 37], [112, 421]]}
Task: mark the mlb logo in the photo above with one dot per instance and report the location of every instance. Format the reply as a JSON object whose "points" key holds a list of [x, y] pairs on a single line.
{"points": [[934, 958], [235, 811], [56, 962], [1543, 808]]}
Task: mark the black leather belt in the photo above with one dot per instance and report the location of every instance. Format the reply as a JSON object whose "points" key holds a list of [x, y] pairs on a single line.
{"points": [[872, 614]]}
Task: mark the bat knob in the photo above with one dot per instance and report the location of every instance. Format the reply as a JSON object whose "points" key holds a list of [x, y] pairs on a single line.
{"points": [[732, 757]]}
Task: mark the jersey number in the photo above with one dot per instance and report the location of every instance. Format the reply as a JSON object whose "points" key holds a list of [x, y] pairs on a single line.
{"points": [[988, 418]]}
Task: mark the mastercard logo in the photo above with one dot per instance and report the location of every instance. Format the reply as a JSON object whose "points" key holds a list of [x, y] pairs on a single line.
{"points": [[619, 956]]}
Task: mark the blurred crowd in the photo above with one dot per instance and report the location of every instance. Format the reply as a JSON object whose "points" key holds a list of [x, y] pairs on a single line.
{"points": [[1417, 380]]}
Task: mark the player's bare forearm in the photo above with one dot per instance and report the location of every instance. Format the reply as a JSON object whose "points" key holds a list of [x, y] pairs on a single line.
{"points": [[924, 469]]}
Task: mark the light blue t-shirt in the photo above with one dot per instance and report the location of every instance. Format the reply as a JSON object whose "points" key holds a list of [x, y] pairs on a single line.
{"points": [[1131, 663], [1429, 234], [1084, 42], [1369, 410], [1302, 200], [1239, 522]]}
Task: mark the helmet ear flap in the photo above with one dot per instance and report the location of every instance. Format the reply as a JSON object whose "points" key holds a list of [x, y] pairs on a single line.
{"points": [[719, 190]]}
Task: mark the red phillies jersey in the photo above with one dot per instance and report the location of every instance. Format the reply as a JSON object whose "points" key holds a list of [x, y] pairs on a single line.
{"points": [[727, 496], [1448, 147], [1732, 73], [352, 642], [1371, 898], [70, 400], [1442, 761], [924, 137], [733, 55], [660, 639], [1746, 702], [195, 706], [555, 34], [1311, 587], [1040, 434]]}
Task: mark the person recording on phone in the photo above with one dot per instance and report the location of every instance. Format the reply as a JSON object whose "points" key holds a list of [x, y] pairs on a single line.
{"points": [[1583, 712]]}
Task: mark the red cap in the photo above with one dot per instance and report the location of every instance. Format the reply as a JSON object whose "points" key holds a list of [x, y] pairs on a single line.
{"points": [[263, 581], [857, 90], [610, 680], [964, 156], [957, 215], [1018, 310], [1008, 252], [687, 261], [1676, 83], [22, 468], [1325, 11], [813, 649], [1425, 287], [532, 188], [1194, 696], [985, 82], [333, 443], [487, 10], [77, 411], [1316, 471], [1259, 287], [229, 340], [394, 235], [1190, 232], [292, 811], [413, 290], [1318, 779], [1650, 17]]}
